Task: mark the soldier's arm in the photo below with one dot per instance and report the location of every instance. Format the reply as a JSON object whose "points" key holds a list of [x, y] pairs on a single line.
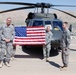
{"points": [[2, 35], [68, 39], [13, 34]]}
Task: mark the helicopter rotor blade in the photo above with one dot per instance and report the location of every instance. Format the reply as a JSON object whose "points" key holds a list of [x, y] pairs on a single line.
{"points": [[17, 3], [65, 12], [21, 8], [63, 5], [22, 3]]}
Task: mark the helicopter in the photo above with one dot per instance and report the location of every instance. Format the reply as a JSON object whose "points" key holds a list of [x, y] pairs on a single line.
{"points": [[42, 18]]}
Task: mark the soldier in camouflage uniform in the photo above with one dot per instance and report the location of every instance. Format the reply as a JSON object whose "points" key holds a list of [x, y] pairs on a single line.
{"points": [[7, 36], [47, 46], [65, 43]]}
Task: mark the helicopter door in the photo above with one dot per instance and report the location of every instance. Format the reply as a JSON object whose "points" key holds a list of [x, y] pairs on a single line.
{"points": [[57, 30]]}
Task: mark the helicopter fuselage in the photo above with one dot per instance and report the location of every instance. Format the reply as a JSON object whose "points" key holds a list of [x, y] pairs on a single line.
{"points": [[56, 25]]}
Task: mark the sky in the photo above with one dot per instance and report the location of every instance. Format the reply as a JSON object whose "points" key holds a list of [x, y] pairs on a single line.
{"points": [[54, 2]]}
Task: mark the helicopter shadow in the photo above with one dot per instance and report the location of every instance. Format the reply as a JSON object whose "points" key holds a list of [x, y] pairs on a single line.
{"points": [[35, 52], [30, 52]]}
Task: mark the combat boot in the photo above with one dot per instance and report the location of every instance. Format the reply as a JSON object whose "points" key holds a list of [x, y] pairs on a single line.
{"points": [[63, 68], [7, 64]]}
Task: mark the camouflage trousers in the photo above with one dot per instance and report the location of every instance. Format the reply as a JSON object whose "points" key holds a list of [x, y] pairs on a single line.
{"points": [[46, 51], [5, 53], [65, 56]]}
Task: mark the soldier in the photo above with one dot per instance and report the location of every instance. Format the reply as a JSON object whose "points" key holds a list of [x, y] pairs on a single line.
{"points": [[47, 46], [7, 36], [65, 43]]}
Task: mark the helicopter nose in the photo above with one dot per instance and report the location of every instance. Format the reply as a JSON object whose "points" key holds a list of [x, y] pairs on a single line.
{"points": [[57, 34]]}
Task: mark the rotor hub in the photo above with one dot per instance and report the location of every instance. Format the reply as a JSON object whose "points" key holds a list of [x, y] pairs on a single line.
{"points": [[44, 5]]}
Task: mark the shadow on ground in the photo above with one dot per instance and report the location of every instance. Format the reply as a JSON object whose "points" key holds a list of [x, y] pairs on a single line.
{"points": [[54, 64], [35, 52], [73, 49]]}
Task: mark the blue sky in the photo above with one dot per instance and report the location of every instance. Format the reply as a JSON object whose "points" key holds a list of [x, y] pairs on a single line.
{"points": [[54, 2]]}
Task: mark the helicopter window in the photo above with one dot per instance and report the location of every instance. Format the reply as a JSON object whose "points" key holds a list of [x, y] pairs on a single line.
{"points": [[57, 25], [37, 23], [47, 23]]}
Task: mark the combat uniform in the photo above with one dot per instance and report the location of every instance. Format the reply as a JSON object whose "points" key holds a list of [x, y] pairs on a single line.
{"points": [[7, 32], [47, 47], [65, 43]]}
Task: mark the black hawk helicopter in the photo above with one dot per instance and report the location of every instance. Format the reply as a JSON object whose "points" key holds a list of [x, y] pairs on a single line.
{"points": [[42, 18]]}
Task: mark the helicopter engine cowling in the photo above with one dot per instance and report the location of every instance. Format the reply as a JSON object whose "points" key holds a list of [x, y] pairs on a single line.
{"points": [[55, 15], [29, 17], [40, 15]]}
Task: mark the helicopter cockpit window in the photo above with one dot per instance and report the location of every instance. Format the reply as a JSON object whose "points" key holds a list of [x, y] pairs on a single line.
{"points": [[37, 23], [47, 22], [57, 25]]}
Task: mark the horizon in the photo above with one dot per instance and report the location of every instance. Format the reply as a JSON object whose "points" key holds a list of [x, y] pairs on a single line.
{"points": [[21, 16]]}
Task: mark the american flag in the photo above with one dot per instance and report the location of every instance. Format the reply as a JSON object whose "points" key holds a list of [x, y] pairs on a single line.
{"points": [[29, 36]]}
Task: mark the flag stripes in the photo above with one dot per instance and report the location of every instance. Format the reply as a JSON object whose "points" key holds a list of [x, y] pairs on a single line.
{"points": [[32, 36]]}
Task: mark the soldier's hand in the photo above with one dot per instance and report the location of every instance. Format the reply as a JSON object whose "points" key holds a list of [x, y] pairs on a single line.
{"points": [[66, 49], [7, 40], [44, 45]]}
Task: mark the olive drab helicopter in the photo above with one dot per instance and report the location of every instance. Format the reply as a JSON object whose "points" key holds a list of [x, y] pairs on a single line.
{"points": [[41, 18]]}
